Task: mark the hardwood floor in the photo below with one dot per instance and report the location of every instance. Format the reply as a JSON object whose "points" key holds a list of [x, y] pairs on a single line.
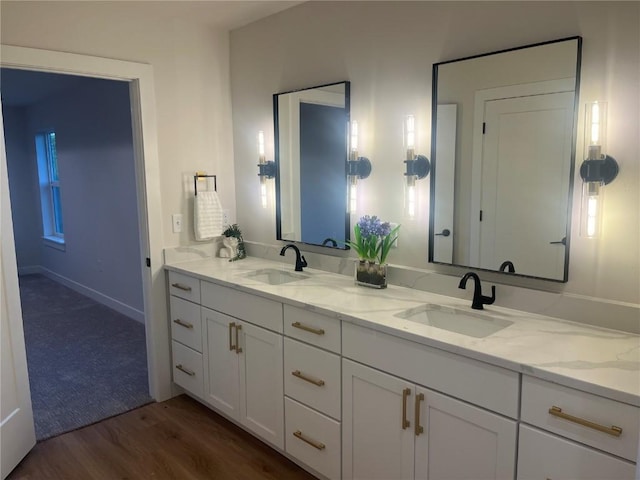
{"points": [[177, 439]]}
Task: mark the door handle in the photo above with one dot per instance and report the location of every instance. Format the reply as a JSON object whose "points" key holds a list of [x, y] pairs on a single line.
{"points": [[444, 233], [405, 423], [559, 242], [231, 327], [238, 347], [418, 428]]}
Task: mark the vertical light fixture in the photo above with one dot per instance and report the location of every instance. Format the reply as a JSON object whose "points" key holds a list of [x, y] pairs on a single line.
{"points": [[596, 171], [357, 168], [266, 169], [417, 166]]}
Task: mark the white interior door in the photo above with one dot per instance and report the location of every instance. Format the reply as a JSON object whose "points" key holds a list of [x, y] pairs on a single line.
{"points": [[525, 173], [17, 432]]}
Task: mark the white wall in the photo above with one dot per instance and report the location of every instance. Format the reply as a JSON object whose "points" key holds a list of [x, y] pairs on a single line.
{"points": [[386, 49], [190, 63], [23, 174]]}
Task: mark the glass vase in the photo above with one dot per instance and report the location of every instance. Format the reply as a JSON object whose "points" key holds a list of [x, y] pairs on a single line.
{"points": [[371, 274]]}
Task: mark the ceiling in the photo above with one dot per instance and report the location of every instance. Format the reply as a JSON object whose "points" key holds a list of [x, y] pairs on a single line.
{"points": [[20, 88]]}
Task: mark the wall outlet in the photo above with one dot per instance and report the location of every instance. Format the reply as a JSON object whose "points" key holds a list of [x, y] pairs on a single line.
{"points": [[225, 217], [176, 220]]}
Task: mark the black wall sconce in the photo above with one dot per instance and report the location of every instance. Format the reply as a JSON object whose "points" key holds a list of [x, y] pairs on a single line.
{"points": [[417, 166], [357, 168], [266, 169], [596, 171]]}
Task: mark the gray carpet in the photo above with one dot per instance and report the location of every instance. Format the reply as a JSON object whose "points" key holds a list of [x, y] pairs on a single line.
{"points": [[86, 361]]}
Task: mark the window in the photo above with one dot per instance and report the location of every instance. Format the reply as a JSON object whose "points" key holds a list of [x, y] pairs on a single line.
{"points": [[50, 196]]}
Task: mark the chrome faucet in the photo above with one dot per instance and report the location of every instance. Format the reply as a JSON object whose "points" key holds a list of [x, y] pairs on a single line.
{"points": [[507, 266], [300, 261], [478, 299]]}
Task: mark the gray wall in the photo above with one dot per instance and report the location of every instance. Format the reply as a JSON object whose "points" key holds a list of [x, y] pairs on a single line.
{"points": [[97, 178]]}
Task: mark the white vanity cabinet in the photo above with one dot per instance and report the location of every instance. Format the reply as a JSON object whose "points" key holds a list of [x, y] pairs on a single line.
{"points": [[569, 434], [397, 429], [244, 362], [186, 333], [313, 390]]}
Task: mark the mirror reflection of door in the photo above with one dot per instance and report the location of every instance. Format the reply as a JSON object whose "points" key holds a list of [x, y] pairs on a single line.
{"points": [[443, 210], [322, 172], [525, 163]]}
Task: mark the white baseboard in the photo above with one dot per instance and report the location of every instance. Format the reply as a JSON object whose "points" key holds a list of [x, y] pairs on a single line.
{"points": [[116, 305]]}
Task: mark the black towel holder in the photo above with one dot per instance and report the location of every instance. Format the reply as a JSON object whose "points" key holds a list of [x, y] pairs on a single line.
{"points": [[198, 176]]}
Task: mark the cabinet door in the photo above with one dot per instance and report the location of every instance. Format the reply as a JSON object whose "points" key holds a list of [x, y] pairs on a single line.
{"points": [[221, 360], [460, 441], [261, 383], [542, 455], [376, 441]]}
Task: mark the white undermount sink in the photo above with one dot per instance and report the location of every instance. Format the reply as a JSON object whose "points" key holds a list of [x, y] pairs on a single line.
{"points": [[456, 320], [273, 276]]}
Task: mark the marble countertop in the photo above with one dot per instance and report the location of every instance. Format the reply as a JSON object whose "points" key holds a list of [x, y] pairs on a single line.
{"points": [[596, 360]]}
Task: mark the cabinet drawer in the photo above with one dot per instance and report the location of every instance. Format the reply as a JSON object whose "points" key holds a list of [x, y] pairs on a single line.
{"points": [[312, 376], [313, 328], [491, 387], [312, 438], [186, 324], [187, 369], [543, 455], [184, 286], [257, 310], [539, 396]]}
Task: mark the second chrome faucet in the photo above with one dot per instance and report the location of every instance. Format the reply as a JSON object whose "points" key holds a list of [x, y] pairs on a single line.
{"points": [[478, 299]]}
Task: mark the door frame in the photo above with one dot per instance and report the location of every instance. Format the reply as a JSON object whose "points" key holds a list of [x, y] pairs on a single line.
{"points": [[147, 168]]}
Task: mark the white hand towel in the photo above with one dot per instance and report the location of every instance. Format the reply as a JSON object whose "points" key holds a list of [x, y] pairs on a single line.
{"points": [[207, 211]]}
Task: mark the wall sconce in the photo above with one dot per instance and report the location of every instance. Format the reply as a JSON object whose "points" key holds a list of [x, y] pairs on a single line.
{"points": [[357, 168], [597, 170], [417, 166], [267, 169]]}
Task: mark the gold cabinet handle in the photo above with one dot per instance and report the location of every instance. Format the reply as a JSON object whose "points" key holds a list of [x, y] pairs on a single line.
{"points": [[299, 374], [612, 430], [405, 422], [238, 347], [231, 326], [313, 443], [317, 331], [182, 323], [418, 429], [180, 286], [185, 370]]}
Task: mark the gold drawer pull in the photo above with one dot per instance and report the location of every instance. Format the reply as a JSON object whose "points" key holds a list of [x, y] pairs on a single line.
{"points": [[313, 443], [180, 286], [419, 429], [299, 374], [238, 347], [182, 323], [405, 423], [185, 370], [231, 326], [613, 430], [317, 331]]}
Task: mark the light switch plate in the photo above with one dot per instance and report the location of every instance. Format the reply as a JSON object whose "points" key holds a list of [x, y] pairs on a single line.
{"points": [[176, 220]]}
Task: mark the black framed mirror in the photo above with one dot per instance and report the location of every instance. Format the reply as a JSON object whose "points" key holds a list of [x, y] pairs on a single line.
{"points": [[311, 147], [503, 154]]}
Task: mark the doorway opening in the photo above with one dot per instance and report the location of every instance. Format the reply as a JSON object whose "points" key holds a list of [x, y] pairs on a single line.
{"points": [[71, 166]]}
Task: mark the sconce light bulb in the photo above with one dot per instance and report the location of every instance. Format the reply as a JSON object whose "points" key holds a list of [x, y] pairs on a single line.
{"points": [[410, 132], [354, 136], [261, 154], [595, 123], [263, 192], [353, 197]]}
